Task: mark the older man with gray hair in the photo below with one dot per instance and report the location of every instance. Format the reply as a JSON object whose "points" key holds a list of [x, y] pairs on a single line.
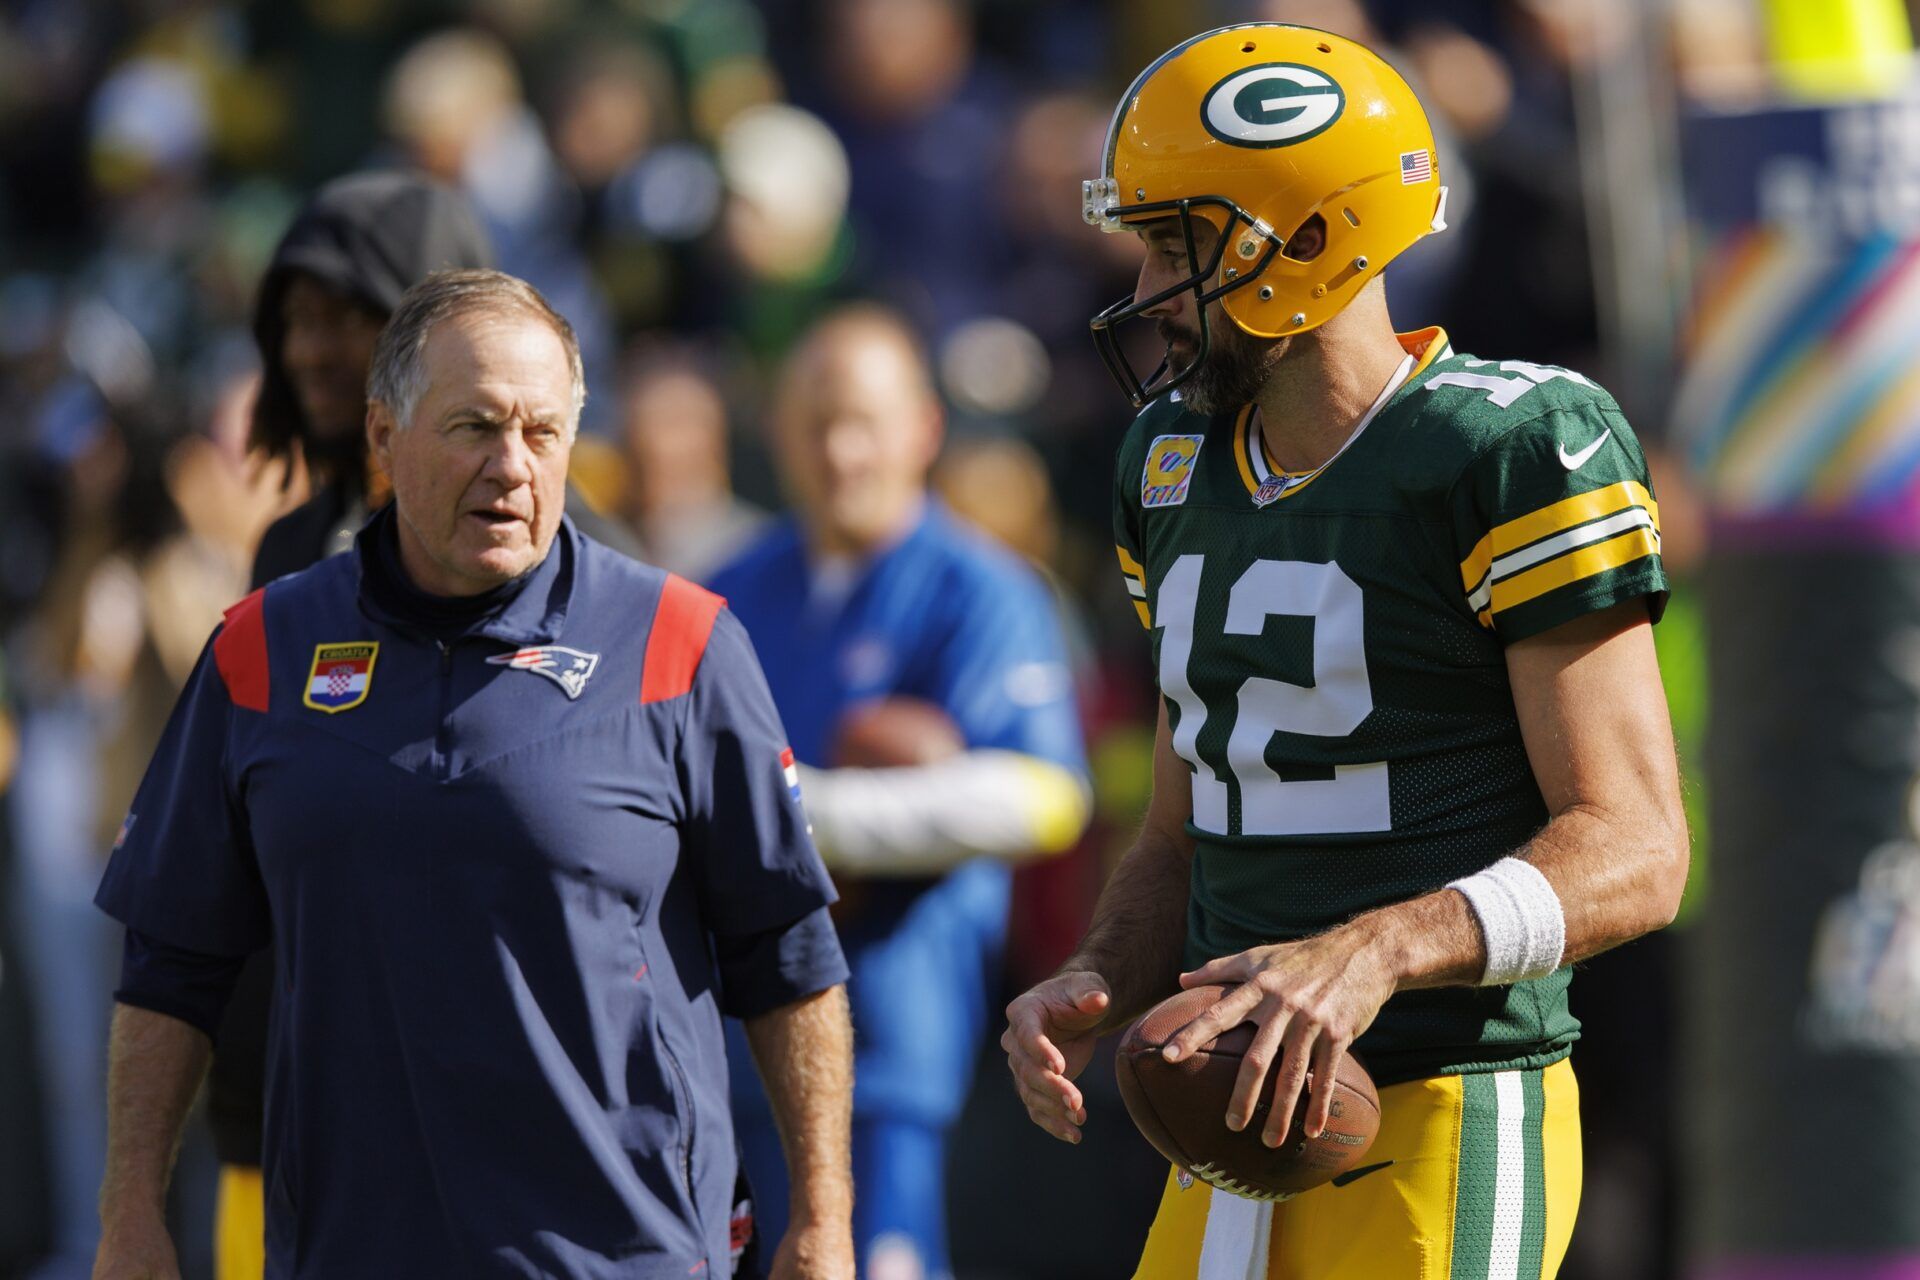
{"points": [[517, 816]]}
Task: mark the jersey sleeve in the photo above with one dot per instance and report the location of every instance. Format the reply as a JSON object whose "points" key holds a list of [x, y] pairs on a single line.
{"points": [[753, 856], [1557, 519], [1127, 540], [182, 871]]}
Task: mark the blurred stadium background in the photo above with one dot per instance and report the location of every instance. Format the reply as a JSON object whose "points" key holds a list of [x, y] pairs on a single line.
{"points": [[1710, 206]]}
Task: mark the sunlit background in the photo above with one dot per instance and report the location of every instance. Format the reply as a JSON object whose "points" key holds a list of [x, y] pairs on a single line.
{"points": [[1710, 206]]}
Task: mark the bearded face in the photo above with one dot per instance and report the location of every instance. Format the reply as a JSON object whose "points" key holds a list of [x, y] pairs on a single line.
{"points": [[1236, 366]]}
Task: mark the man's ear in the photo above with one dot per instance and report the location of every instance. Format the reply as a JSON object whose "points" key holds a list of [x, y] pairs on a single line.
{"points": [[380, 428], [936, 430]]}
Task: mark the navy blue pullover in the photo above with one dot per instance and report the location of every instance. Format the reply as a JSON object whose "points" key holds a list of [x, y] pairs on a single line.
{"points": [[514, 869]]}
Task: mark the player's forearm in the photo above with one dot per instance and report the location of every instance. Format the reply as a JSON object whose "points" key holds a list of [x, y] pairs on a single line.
{"points": [[154, 1068], [1616, 878], [925, 819], [804, 1051], [1618, 872], [1139, 927]]}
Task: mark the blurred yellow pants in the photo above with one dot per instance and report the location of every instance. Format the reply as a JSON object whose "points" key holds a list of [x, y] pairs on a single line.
{"points": [[239, 1225], [1472, 1176]]}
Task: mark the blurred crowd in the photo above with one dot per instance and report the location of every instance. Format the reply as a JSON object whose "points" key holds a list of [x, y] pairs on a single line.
{"points": [[690, 182]]}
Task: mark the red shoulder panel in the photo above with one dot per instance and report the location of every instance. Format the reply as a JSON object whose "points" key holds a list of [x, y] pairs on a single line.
{"points": [[240, 651], [681, 625]]}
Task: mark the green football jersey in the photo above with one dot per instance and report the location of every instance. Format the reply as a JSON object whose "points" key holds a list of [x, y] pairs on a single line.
{"points": [[1330, 646]]}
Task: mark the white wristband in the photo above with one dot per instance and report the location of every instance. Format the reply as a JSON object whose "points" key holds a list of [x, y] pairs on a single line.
{"points": [[1520, 918]]}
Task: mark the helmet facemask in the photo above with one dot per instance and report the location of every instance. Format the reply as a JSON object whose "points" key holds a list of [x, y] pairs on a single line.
{"points": [[1101, 210]]}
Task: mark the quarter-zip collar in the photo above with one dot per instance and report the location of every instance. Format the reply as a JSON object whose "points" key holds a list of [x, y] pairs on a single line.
{"points": [[530, 610]]}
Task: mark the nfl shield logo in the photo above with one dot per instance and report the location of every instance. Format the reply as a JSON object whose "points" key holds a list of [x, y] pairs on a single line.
{"points": [[341, 676]]}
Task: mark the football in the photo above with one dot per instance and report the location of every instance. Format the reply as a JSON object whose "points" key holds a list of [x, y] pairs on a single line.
{"points": [[891, 732], [1181, 1108]]}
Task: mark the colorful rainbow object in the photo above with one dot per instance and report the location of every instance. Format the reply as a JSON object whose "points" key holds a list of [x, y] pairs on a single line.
{"points": [[1802, 393]]}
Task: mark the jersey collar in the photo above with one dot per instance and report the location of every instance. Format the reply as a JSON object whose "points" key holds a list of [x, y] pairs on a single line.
{"points": [[1256, 466], [536, 613]]}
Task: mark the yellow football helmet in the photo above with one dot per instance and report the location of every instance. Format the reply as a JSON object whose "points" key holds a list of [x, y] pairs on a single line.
{"points": [[1259, 129]]}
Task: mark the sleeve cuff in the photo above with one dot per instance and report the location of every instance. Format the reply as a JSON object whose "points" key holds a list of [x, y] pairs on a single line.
{"points": [[759, 972], [189, 985], [1525, 621]]}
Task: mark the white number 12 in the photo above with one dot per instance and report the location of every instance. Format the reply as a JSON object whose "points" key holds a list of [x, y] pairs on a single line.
{"points": [[1356, 798]]}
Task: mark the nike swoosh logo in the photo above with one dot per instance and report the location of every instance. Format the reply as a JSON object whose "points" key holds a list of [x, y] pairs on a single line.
{"points": [[1574, 461], [1354, 1175]]}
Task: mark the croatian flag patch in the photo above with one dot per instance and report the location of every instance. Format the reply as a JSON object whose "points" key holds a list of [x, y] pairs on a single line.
{"points": [[1416, 166], [791, 773], [340, 676]]}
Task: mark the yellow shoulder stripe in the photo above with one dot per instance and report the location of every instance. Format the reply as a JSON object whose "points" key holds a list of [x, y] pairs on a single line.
{"points": [[1575, 565], [1552, 519], [1136, 584]]}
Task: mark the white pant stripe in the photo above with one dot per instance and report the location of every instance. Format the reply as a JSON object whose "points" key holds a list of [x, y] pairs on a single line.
{"points": [[1238, 1233], [1510, 1180]]}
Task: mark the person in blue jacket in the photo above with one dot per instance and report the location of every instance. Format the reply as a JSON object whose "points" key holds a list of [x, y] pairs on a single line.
{"points": [[870, 590], [518, 818]]}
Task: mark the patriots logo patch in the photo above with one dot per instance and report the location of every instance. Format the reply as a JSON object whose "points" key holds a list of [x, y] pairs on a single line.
{"points": [[568, 668]]}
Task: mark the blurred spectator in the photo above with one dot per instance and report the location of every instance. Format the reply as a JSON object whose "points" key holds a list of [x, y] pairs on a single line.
{"points": [[923, 122], [95, 685], [1061, 272], [454, 103], [870, 591], [340, 268], [783, 235], [72, 662], [679, 496]]}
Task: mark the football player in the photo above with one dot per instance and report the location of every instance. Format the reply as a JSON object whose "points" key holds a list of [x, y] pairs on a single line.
{"points": [[1413, 758]]}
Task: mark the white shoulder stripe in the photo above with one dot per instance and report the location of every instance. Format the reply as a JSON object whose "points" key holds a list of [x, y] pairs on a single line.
{"points": [[1635, 517]]}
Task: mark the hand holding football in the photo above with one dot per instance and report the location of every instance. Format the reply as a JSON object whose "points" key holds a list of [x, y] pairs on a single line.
{"points": [[1181, 1108]]}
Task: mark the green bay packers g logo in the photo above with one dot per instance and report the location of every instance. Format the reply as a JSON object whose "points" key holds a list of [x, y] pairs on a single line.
{"points": [[1273, 105]]}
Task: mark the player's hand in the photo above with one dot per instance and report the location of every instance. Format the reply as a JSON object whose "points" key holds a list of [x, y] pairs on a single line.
{"points": [[131, 1250], [816, 1251], [1309, 1000], [1051, 1031]]}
